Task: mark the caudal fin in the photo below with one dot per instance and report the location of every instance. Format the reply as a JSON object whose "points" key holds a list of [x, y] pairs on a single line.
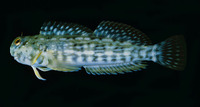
{"points": [[173, 53]]}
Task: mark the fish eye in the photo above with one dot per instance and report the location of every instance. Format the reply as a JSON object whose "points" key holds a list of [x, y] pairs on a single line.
{"points": [[17, 41]]}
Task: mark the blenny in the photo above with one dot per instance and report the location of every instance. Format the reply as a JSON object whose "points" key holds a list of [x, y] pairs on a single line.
{"points": [[113, 48]]}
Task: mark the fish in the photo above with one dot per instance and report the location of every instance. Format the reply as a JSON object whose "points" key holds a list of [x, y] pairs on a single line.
{"points": [[113, 48]]}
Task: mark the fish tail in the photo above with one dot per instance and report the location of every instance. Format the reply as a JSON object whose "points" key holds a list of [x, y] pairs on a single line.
{"points": [[171, 53]]}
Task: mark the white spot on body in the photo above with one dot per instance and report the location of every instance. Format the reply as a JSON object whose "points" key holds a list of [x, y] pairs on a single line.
{"points": [[77, 28], [69, 59], [78, 31], [78, 47], [109, 59], [79, 53], [60, 56], [70, 43], [44, 33], [128, 58], [99, 59], [65, 46], [46, 28], [66, 27], [41, 38], [100, 28], [109, 53], [55, 30], [62, 39], [29, 57], [124, 33], [53, 38], [53, 47], [154, 53], [106, 32], [107, 40], [89, 52], [70, 30], [63, 32], [87, 38], [92, 45], [118, 58], [89, 58], [27, 61], [143, 53], [51, 27], [96, 40], [126, 53], [58, 32], [135, 55], [80, 59], [62, 27], [99, 54], [85, 46], [79, 38], [69, 51]]}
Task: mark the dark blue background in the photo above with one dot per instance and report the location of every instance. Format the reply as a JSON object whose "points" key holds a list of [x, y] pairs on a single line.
{"points": [[155, 86]]}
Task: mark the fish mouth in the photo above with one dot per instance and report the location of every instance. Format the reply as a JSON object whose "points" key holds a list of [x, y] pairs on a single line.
{"points": [[15, 57], [12, 53]]}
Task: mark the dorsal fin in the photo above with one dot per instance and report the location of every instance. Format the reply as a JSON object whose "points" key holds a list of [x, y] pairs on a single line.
{"points": [[60, 29], [121, 31]]}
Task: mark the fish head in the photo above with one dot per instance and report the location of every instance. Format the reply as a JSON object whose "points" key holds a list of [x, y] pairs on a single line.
{"points": [[23, 49]]}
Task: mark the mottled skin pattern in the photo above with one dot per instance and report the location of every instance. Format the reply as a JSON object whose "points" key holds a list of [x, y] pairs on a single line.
{"points": [[26, 51], [69, 53], [112, 48]]}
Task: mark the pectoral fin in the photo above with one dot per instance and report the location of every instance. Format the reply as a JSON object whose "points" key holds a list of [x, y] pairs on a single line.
{"points": [[35, 59], [37, 74]]}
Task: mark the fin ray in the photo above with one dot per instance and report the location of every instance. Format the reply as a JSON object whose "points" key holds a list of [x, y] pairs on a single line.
{"points": [[121, 31], [60, 29], [172, 53], [37, 74], [114, 69], [44, 68]]}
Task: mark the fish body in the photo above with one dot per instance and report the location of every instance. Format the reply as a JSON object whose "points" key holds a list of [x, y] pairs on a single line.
{"points": [[113, 48]]}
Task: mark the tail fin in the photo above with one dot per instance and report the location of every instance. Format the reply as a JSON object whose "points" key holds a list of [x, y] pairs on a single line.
{"points": [[172, 53]]}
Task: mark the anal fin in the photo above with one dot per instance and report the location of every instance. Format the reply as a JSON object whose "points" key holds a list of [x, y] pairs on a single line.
{"points": [[114, 68]]}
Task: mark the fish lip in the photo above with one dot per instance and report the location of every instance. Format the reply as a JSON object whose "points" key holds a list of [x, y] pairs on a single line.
{"points": [[16, 57], [12, 53]]}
